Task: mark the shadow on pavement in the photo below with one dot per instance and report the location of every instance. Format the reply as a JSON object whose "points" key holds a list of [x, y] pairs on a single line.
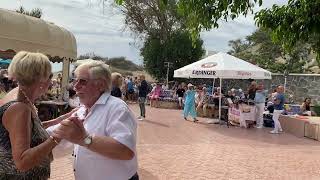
{"points": [[155, 123]]}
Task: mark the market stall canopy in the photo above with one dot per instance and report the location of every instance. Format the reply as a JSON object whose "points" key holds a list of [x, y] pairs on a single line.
{"points": [[222, 65], [21, 32]]}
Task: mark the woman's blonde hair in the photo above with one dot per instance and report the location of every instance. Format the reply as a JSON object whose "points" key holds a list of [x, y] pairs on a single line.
{"points": [[28, 68], [116, 79], [142, 77], [97, 70]]}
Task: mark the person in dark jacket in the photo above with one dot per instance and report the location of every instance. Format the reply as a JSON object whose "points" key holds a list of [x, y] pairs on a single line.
{"points": [[143, 92], [116, 84]]}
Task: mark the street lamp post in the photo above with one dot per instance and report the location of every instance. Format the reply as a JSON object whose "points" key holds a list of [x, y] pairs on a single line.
{"points": [[168, 65], [287, 70]]}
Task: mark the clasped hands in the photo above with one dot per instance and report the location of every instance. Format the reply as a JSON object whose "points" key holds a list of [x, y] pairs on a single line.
{"points": [[72, 130]]}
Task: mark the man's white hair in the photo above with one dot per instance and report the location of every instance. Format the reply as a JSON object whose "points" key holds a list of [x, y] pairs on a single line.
{"points": [[97, 70]]}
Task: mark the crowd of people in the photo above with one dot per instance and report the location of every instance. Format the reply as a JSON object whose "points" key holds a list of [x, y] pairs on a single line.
{"points": [[193, 99], [101, 126]]}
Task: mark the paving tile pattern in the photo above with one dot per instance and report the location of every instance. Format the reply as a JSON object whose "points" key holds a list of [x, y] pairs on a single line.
{"points": [[170, 148]]}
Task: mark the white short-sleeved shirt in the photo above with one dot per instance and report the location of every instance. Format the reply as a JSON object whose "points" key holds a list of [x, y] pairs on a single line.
{"points": [[110, 117]]}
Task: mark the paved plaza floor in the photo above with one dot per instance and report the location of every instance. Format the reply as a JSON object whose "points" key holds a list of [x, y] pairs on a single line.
{"points": [[170, 148]]}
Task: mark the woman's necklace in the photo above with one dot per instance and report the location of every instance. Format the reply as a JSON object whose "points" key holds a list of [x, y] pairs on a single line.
{"points": [[34, 110]]}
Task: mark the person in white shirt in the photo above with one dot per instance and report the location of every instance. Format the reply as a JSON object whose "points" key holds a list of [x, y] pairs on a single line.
{"points": [[259, 100], [103, 129]]}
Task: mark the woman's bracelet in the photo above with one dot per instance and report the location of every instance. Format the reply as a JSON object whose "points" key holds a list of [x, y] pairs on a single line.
{"points": [[54, 140]]}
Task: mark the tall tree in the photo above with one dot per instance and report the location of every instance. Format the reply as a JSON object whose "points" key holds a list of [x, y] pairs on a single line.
{"points": [[160, 26], [296, 22], [34, 12], [146, 18], [259, 49], [204, 14], [236, 46], [299, 21], [178, 49]]}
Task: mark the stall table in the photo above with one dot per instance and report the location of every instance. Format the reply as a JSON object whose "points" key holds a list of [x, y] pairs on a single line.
{"points": [[242, 116]]}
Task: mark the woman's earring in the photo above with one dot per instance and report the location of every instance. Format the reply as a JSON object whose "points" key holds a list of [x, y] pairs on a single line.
{"points": [[41, 87]]}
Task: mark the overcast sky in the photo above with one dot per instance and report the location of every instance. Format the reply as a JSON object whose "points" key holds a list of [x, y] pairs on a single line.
{"points": [[102, 32]]}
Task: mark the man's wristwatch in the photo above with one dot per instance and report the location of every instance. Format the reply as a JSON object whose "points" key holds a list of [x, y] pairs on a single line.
{"points": [[87, 140]]}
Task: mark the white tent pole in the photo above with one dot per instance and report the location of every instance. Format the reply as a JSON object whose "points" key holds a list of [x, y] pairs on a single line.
{"points": [[285, 84], [220, 99], [214, 80]]}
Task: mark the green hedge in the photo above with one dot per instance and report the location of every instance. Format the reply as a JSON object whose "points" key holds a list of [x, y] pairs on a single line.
{"points": [[316, 109]]}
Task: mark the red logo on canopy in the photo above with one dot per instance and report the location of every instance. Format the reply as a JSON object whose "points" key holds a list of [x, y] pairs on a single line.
{"points": [[243, 73], [209, 65]]}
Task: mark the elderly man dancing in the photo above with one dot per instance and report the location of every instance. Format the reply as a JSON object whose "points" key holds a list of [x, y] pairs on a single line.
{"points": [[103, 129]]}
